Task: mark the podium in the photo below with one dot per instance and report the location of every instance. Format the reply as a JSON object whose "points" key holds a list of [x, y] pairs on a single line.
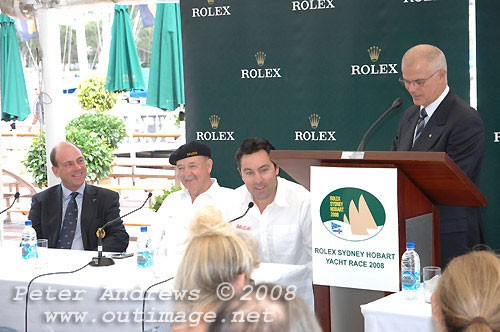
{"points": [[424, 180]]}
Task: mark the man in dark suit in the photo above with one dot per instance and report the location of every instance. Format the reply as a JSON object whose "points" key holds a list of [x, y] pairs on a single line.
{"points": [[69, 214], [442, 121]]}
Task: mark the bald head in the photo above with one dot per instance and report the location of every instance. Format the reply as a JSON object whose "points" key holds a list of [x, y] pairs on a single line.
{"points": [[432, 55], [69, 165]]}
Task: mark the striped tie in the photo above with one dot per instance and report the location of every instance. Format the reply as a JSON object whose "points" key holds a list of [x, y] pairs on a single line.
{"points": [[67, 233], [420, 124]]}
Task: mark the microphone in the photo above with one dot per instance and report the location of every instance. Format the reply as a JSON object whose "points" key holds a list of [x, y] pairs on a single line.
{"points": [[395, 104], [250, 205], [101, 233], [16, 196]]}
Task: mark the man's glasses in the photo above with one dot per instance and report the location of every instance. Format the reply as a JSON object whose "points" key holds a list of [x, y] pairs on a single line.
{"points": [[419, 83]]}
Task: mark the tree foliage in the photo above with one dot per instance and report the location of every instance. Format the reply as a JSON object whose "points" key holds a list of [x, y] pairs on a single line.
{"points": [[93, 96], [108, 127]]}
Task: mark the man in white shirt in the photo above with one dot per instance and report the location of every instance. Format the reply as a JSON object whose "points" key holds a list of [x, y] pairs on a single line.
{"points": [[281, 220], [193, 165]]}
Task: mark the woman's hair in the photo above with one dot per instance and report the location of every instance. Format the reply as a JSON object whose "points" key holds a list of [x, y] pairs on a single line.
{"points": [[272, 307], [468, 293], [215, 254]]}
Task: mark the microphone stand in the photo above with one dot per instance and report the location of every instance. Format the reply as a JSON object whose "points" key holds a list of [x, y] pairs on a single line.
{"points": [[101, 233], [100, 260]]}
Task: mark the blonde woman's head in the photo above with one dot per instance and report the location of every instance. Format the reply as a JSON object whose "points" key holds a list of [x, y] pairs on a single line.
{"points": [[215, 255], [467, 297]]}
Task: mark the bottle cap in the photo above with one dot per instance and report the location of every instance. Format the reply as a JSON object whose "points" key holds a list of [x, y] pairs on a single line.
{"points": [[410, 245], [144, 229], [28, 223]]}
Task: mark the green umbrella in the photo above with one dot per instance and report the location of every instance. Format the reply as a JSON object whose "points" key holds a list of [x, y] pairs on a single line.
{"points": [[124, 69], [15, 104], [166, 80]]}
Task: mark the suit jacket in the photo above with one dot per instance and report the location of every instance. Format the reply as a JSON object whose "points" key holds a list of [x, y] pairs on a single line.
{"points": [[99, 206], [457, 129]]}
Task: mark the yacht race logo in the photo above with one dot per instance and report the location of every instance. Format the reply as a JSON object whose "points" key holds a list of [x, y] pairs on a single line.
{"points": [[352, 214], [373, 68], [214, 135]]}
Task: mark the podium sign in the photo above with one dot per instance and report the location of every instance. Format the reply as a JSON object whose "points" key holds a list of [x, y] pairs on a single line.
{"points": [[355, 227]]}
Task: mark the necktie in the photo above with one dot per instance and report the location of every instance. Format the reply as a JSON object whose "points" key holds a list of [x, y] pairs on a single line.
{"points": [[420, 123], [69, 224]]}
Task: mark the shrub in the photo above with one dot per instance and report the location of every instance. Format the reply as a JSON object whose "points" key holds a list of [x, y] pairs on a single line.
{"points": [[93, 96], [109, 127], [98, 156], [160, 198]]}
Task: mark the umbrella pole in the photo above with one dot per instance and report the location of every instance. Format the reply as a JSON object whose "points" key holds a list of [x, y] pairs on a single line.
{"points": [[51, 74]]}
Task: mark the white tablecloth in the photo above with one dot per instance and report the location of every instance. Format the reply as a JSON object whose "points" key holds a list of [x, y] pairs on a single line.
{"points": [[90, 293], [394, 313]]}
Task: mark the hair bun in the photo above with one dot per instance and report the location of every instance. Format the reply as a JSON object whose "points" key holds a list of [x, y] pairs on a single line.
{"points": [[208, 221]]}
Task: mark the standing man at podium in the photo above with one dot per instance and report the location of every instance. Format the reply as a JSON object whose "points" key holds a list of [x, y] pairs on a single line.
{"points": [[441, 121]]}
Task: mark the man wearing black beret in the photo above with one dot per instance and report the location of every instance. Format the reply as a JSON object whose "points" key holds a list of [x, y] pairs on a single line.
{"points": [[193, 167]]}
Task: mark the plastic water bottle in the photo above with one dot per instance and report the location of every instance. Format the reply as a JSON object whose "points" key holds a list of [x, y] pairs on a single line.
{"points": [[28, 242], [410, 272], [145, 258]]}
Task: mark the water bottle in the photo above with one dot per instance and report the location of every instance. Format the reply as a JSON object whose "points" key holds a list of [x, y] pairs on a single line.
{"points": [[410, 272], [144, 249], [28, 242]]}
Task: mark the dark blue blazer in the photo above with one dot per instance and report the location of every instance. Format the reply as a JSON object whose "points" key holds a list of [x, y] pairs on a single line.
{"points": [[99, 206], [457, 129]]}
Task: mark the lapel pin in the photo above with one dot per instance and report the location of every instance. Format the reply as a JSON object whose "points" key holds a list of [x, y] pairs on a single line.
{"points": [[430, 135]]}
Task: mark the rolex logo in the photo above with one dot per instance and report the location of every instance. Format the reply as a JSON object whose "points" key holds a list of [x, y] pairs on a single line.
{"points": [[314, 120], [214, 135], [260, 57], [311, 135], [210, 2], [258, 73], [374, 52], [214, 121], [374, 69]]}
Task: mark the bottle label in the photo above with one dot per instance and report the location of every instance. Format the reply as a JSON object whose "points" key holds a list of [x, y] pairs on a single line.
{"points": [[410, 280], [145, 258], [28, 251]]}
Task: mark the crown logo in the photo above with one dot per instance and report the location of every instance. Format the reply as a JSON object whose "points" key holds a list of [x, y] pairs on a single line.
{"points": [[314, 120], [214, 121], [374, 52], [260, 57], [210, 2]]}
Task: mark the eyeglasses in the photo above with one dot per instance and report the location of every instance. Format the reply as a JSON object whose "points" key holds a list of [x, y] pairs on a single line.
{"points": [[419, 83]]}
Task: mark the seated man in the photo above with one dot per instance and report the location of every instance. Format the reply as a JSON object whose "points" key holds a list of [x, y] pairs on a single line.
{"points": [[193, 165], [281, 220], [69, 214]]}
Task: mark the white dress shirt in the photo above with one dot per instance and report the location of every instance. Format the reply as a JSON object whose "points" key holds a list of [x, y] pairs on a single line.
{"points": [[175, 214], [283, 229]]}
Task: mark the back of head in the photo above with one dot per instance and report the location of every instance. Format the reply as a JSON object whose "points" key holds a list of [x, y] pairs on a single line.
{"points": [[468, 293], [215, 255], [266, 308]]}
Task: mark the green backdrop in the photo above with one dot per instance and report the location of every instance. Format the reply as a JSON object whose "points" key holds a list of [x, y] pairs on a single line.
{"points": [[488, 73], [317, 63]]}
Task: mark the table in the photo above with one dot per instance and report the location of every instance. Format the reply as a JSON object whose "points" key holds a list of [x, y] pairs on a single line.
{"points": [[394, 313], [97, 298]]}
